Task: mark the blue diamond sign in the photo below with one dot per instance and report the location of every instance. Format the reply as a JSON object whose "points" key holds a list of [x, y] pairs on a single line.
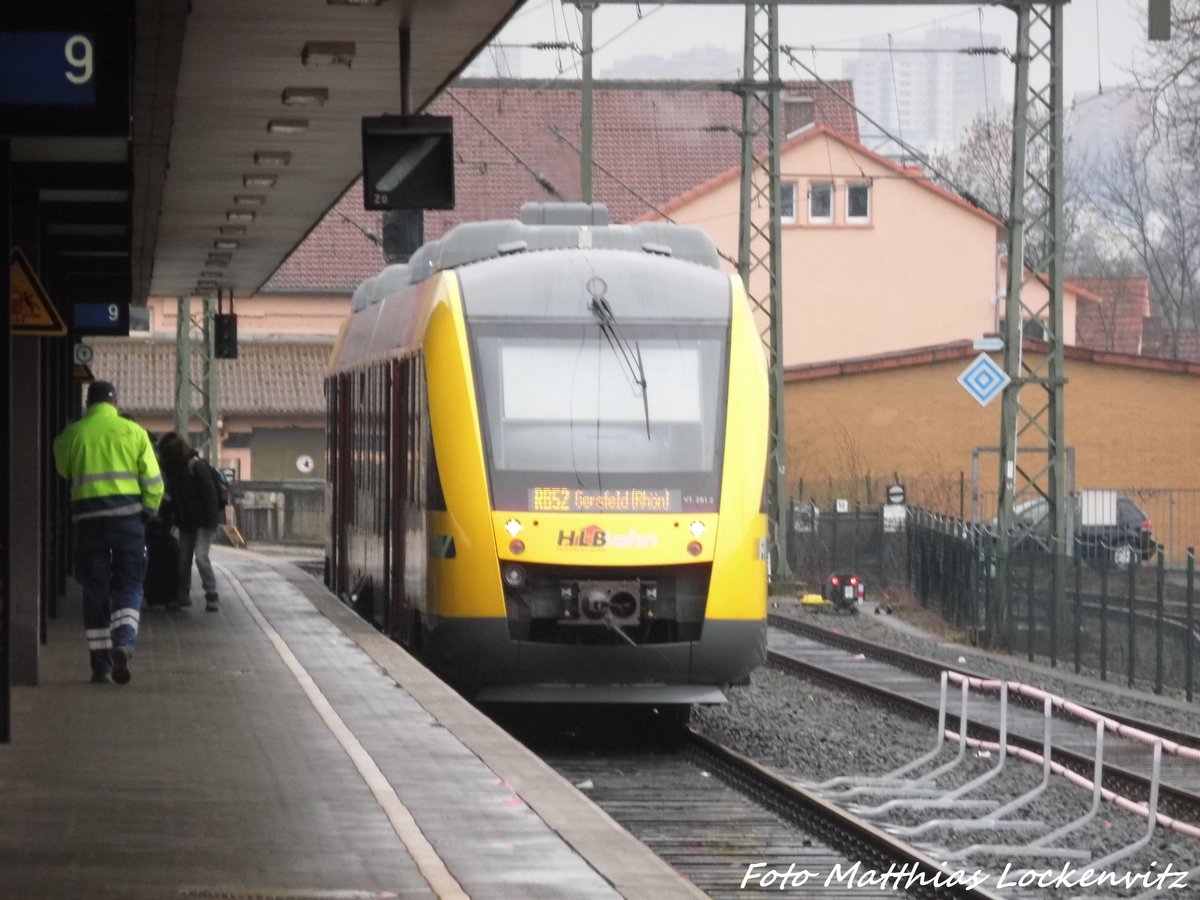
{"points": [[983, 379]]}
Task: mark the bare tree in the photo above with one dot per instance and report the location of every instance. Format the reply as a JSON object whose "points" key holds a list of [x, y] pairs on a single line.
{"points": [[980, 166], [980, 169], [1152, 203], [1171, 81]]}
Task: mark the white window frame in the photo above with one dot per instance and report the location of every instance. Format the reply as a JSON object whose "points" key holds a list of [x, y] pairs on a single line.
{"points": [[785, 187], [858, 220], [821, 220]]}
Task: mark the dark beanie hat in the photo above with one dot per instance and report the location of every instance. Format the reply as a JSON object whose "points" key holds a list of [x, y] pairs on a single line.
{"points": [[101, 392]]}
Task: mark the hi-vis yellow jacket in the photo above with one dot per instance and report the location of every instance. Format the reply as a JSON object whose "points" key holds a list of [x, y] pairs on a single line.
{"points": [[110, 463]]}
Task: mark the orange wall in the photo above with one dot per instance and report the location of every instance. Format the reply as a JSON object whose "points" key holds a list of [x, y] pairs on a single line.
{"points": [[1129, 427]]}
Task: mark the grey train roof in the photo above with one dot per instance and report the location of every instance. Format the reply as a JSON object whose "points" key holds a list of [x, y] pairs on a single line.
{"points": [[542, 226]]}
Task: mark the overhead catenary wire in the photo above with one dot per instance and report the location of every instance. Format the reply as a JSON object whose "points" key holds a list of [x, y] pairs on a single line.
{"points": [[642, 17], [538, 176], [575, 60], [555, 12], [987, 102], [529, 9], [895, 89], [369, 235], [981, 50]]}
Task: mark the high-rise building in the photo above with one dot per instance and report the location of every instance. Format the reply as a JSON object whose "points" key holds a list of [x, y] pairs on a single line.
{"points": [[923, 91]]}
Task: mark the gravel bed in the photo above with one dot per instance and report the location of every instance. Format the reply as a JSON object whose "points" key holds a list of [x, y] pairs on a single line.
{"points": [[812, 733], [1169, 709]]}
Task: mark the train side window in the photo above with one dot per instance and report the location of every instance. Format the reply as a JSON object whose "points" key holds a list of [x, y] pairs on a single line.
{"points": [[400, 430], [437, 499], [433, 483], [413, 413], [377, 446]]}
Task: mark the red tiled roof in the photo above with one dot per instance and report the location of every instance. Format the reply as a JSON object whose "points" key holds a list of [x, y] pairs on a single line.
{"points": [[851, 142], [1115, 322], [267, 378], [648, 146], [1157, 342], [922, 356], [335, 256]]}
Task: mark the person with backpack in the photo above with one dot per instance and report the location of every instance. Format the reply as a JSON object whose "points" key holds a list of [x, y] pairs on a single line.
{"points": [[194, 508]]}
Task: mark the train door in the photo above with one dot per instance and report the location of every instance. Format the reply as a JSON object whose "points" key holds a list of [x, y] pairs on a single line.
{"points": [[339, 478], [417, 539], [375, 544], [383, 603], [331, 462], [399, 622]]}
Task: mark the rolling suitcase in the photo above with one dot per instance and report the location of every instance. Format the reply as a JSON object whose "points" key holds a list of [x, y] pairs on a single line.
{"points": [[162, 564]]}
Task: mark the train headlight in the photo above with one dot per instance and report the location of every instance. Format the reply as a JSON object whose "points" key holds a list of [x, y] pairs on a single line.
{"points": [[516, 547], [514, 575], [513, 527], [697, 529], [694, 548]]}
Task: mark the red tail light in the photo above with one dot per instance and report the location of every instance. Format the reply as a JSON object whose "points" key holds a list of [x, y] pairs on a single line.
{"points": [[1146, 525], [836, 581], [854, 580]]}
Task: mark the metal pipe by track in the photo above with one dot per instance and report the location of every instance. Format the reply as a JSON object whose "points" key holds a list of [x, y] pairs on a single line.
{"points": [[834, 825], [1174, 800]]}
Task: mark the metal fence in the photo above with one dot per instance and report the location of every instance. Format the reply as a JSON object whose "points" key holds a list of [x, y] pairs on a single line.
{"points": [[949, 494], [862, 541], [1135, 623], [279, 512], [1174, 513]]}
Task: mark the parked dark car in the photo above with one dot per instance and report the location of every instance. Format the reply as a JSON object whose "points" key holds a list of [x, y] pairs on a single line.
{"points": [[1128, 542]]}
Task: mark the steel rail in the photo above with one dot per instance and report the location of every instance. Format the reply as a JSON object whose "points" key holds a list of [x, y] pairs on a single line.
{"points": [[829, 822], [923, 665]]}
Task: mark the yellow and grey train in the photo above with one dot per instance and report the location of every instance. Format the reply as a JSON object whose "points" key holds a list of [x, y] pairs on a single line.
{"points": [[547, 442]]}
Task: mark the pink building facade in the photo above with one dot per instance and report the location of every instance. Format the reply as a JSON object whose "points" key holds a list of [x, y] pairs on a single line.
{"points": [[876, 258]]}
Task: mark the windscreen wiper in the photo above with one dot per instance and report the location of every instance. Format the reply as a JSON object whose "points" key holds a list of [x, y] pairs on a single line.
{"points": [[630, 359]]}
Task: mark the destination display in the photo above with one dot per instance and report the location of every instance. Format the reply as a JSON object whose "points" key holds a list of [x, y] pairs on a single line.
{"points": [[630, 500]]}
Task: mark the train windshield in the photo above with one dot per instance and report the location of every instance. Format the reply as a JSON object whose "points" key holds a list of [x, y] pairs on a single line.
{"points": [[616, 411]]}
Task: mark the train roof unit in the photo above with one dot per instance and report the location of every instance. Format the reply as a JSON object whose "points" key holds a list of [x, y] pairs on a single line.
{"points": [[542, 227]]}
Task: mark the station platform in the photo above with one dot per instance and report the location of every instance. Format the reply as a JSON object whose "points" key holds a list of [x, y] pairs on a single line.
{"points": [[282, 748]]}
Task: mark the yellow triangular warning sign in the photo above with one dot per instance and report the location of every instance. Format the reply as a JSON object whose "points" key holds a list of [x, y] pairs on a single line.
{"points": [[32, 311]]}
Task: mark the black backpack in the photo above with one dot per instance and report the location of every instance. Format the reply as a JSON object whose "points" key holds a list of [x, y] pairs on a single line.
{"points": [[220, 483]]}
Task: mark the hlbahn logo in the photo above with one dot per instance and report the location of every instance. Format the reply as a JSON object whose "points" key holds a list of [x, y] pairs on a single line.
{"points": [[595, 536]]}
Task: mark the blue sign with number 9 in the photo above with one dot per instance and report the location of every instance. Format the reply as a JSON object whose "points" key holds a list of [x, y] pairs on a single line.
{"points": [[47, 68]]}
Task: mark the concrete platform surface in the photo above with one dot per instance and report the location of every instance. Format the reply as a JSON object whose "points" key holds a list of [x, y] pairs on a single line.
{"points": [[282, 748]]}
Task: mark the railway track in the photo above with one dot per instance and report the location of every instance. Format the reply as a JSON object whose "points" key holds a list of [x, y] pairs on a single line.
{"points": [[911, 682], [724, 820]]}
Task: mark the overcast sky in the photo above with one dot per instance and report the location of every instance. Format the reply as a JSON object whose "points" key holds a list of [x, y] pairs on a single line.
{"points": [[1102, 37]]}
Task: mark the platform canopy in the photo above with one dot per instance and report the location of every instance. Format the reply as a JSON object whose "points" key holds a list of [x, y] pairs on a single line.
{"points": [[245, 127]]}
